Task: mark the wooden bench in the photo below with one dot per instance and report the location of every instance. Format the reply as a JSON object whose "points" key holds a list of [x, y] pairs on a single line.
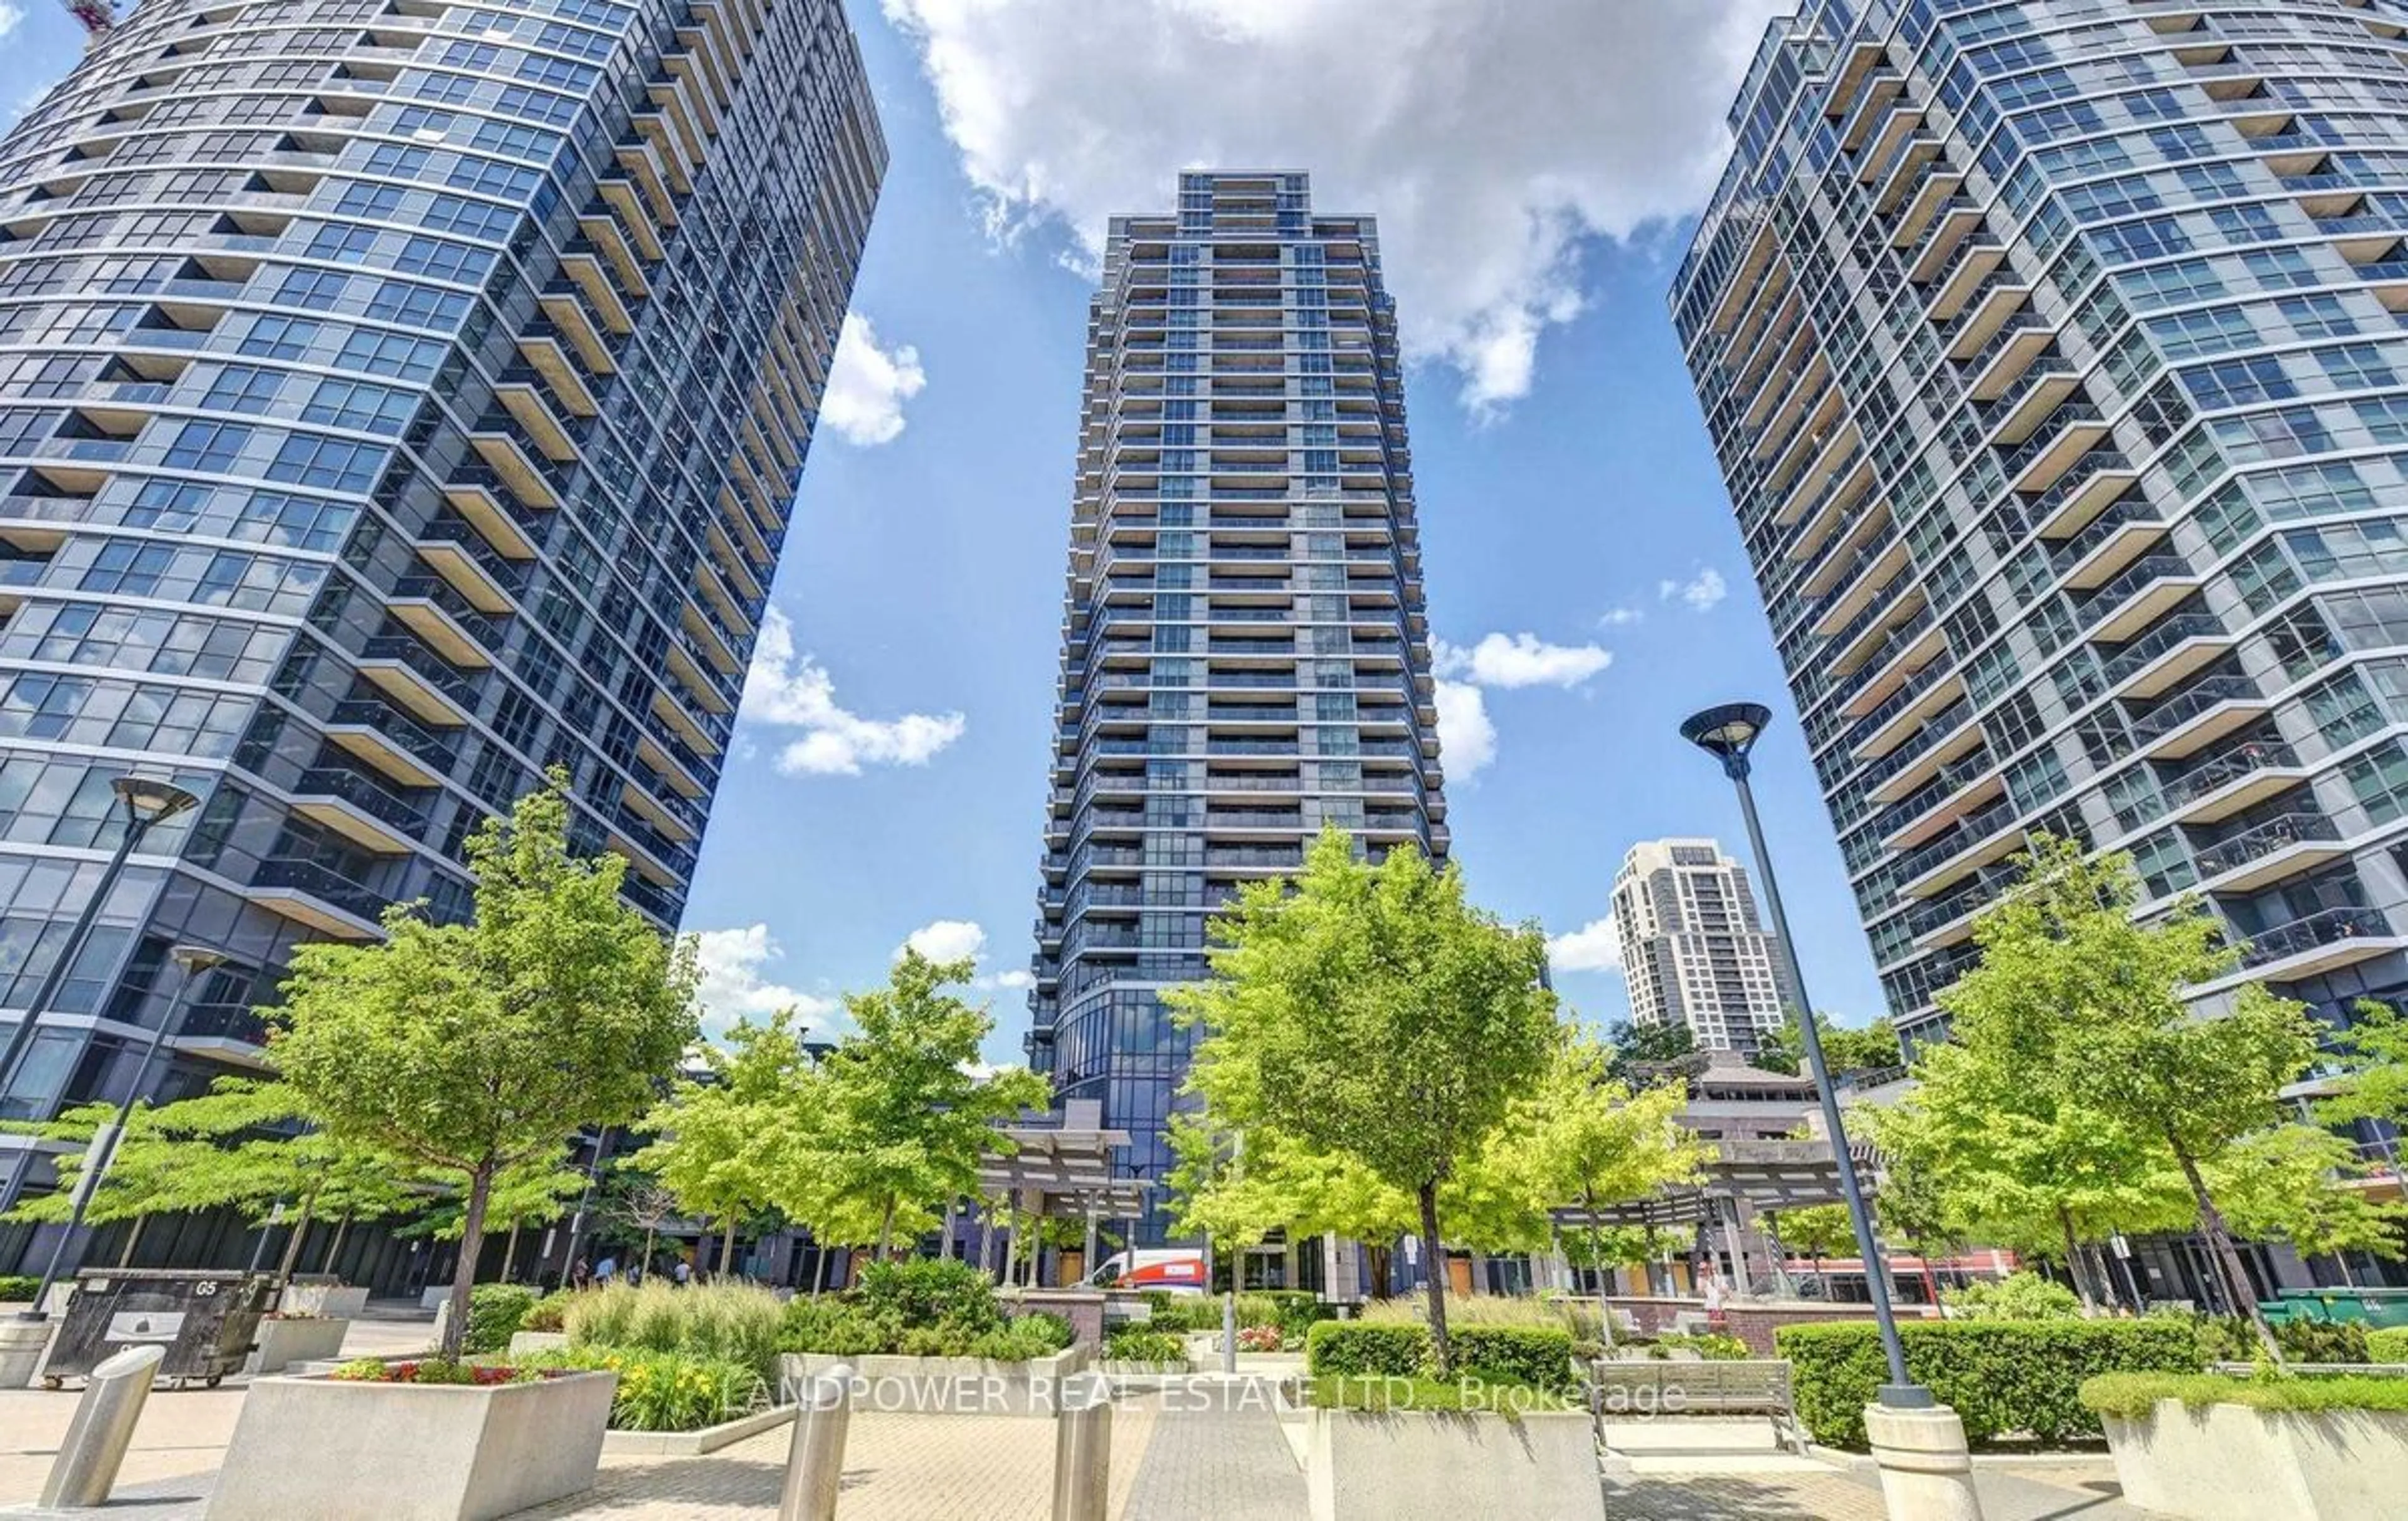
{"points": [[1662, 1387]]}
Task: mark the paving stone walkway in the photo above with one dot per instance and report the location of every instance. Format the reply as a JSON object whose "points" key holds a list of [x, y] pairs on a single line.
{"points": [[1221, 1457], [2007, 1495]]}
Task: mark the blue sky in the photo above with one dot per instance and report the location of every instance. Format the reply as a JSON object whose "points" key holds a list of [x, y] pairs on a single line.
{"points": [[891, 770]]}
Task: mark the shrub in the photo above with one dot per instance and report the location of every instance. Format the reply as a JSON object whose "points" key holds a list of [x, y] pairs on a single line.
{"points": [[1293, 1311], [2002, 1376], [1140, 1344], [1046, 1329], [930, 1291], [2230, 1339], [1361, 1348], [2023, 1296], [16, 1288], [2388, 1345], [1540, 1356], [833, 1327], [1511, 1401], [725, 1321], [2133, 1395], [1476, 1310], [667, 1391], [494, 1310], [547, 1313]]}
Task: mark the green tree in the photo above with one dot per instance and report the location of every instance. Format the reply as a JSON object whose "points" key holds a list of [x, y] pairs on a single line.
{"points": [[531, 1193], [2288, 1183], [904, 1116], [1580, 1137], [1845, 1048], [470, 1049], [1648, 1056], [1817, 1230], [725, 1139], [1390, 1021], [2374, 1085], [2095, 1000]]}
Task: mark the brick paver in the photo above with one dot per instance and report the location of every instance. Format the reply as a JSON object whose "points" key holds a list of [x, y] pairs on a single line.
{"points": [[1217, 1451], [2075, 1493]]}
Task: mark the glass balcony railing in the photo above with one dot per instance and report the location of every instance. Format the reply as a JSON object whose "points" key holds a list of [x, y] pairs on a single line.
{"points": [[2260, 841], [323, 883], [2316, 929], [2179, 629], [2226, 767], [2184, 705], [365, 795]]}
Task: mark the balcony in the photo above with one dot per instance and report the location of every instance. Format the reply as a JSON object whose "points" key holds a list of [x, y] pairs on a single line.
{"points": [[2111, 542], [1959, 789], [358, 808], [2220, 785], [2041, 461], [431, 609], [1977, 259], [1945, 739], [516, 468], [324, 899], [473, 498], [2268, 852], [232, 1033], [391, 741], [1897, 716], [1976, 840], [2137, 597], [1996, 301], [2189, 723], [477, 576], [2309, 947], [2158, 660]]}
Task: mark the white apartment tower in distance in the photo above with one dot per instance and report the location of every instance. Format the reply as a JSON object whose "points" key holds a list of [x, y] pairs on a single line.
{"points": [[1693, 949]]}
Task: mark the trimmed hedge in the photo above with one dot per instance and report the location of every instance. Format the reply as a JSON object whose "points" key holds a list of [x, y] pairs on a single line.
{"points": [[494, 1310], [2002, 1376], [17, 1286], [1526, 1354], [2388, 1345]]}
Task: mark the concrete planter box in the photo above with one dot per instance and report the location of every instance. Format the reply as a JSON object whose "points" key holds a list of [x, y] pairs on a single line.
{"points": [[522, 1342], [940, 1386], [2235, 1463], [337, 1301], [284, 1342], [695, 1444], [338, 1451], [1446, 1465]]}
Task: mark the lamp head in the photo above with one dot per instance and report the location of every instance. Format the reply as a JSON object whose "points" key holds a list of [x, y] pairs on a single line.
{"points": [[151, 799], [197, 959], [1728, 732]]}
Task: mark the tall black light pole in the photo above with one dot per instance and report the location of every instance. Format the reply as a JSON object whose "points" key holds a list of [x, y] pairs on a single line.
{"points": [[148, 801], [195, 961], [1728, 733]]}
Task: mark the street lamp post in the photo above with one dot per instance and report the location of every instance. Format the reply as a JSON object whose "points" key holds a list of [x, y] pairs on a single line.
{"points": [[1917, 1444], [148, 801], [195, 961], [1728, 733]]}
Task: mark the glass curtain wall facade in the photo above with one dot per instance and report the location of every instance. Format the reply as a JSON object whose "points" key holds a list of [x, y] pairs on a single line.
{"points": [[1245, 656], [1694, 951], [2053, 355], [396, 398]]}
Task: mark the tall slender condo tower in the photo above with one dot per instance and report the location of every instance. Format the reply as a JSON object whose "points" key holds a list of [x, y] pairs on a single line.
{"points": [[396, 397], [2053, 353], [1245, 658], [1694, 951]]}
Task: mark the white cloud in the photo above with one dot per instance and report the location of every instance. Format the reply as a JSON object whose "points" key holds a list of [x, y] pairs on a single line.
{"points": [[1467, 740], [1020, 978], [946, 939], [1700, 591], [1492, 137], [867, 385], [1595, 946], [1512, 660], [735, 984], [790, 690], [1621, 617]]}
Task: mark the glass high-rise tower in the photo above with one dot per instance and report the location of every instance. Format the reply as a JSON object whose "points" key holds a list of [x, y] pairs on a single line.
{"points": [[2053, 351], [397, 398], [1245, 658], [1693, 951]]}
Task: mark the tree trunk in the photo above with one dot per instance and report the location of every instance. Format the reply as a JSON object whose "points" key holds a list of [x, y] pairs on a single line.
{"points": [[2073, 1262], [1436, 1257], [334, 1247], [820, 1273], [2220, 1250], [132, 1234], [1821, 1277], [464, 1276], [2103, 1276], [1597, 1265], [292, 1247], [649, 1232], [1380, 1287], [727, 1247], [886, 1230], [511, 1253]]}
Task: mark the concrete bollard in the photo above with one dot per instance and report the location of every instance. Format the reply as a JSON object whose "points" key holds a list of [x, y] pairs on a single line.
{"points": [[1926, 1474], [1082, 1449], [86, 1468], [23, 1344], [815, 1460]]}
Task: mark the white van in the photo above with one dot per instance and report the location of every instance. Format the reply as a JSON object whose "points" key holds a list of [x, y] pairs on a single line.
{"points": [[1168, 1270]]}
